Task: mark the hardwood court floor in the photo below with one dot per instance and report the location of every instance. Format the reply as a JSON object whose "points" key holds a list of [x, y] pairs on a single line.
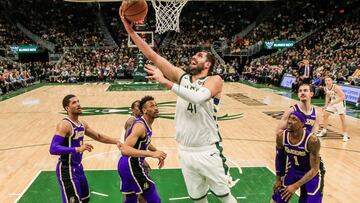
{"points": [[28, 121]]}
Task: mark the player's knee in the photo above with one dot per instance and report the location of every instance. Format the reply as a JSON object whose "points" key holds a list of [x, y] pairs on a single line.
{"points": [[228, 199]]}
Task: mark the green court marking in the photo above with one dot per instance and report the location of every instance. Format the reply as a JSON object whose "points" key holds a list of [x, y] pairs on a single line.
{"points": [[255, 186], [135, 87]]}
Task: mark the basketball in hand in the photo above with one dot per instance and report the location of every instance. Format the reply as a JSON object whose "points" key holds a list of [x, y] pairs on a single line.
{"points": [[134, 10]]}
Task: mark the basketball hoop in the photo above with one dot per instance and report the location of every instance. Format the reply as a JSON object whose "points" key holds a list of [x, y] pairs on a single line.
{"points": [[168, 14]]}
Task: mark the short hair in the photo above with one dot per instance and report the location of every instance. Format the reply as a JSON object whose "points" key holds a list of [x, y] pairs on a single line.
{"points": [[307, 84], [66, 100], [328, 76], [144, 100], [133, 104], [210, 58]]}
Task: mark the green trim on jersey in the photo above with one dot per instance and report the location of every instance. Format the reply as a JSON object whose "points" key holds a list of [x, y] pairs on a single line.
{"points": [[220, 148], [181, 77]]}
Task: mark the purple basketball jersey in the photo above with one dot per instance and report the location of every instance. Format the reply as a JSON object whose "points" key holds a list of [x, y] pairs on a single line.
{"points": [[134, 177], [310, 118], [74, 140]]}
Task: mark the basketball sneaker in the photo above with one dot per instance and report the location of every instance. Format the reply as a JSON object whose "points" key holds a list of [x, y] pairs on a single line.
{"points": [[345, 137], [322, 133]]}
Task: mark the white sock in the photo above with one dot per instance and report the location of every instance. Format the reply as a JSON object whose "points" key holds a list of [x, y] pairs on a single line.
{"points": [[228, 199], [345, 134], [324, 130]]}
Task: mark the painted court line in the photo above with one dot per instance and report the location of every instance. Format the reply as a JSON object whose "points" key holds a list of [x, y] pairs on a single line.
{"points": [[27, 187], [98, 193], [187, 197]]}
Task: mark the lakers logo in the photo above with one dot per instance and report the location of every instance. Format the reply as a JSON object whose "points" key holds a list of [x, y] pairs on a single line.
{"points": [[146, 186]]}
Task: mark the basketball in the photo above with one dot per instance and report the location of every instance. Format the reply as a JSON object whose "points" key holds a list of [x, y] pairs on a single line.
{"points": [[135, 10]]}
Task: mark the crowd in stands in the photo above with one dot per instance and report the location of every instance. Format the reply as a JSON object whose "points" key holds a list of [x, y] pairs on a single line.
{"points": [[92, 65], [10, 35], [292, 20], [202, 23], [63, 23], [14, 78], [333, 51]]}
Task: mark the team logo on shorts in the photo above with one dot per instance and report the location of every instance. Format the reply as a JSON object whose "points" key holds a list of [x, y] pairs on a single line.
{"points": [[146, 186]]}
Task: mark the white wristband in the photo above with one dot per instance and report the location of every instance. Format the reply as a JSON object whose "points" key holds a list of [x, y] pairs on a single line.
{"points": [[195, 97]]}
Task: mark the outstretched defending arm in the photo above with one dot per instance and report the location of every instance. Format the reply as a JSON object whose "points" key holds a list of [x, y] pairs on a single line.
{"points": [[172, 72], [99, 137]]}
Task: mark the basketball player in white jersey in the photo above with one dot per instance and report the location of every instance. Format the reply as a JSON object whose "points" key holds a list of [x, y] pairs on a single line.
{"points": [[334, 103], [197, 133]]}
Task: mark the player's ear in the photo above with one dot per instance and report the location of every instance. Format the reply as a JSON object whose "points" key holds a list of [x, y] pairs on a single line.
{"points": [[207, 65]]}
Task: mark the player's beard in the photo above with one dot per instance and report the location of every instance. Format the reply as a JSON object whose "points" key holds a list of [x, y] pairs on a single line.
{"points": [[194, 71]]}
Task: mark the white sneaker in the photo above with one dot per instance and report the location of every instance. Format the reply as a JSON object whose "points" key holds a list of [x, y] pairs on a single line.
{"points": [[345, 137], [322, 133]]}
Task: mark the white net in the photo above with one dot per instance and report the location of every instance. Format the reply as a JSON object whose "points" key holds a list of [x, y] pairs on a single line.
{"points": [[168, 14]]}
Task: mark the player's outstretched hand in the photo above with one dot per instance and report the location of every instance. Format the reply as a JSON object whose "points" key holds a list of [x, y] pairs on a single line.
{"points": [[82, 148], [159, 154], [154, 73], [161, 163]]}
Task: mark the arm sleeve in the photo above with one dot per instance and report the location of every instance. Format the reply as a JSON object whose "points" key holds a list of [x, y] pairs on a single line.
{"points": [[57, 149], [195, 97], [280, 161]]}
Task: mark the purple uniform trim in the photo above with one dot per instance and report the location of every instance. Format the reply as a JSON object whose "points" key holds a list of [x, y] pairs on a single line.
{"points": [[57, 149], [69, 170], [297, 165], [134, 177]]}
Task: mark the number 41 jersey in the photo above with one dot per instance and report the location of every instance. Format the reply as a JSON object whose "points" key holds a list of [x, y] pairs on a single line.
{"points": [[196, 124]]}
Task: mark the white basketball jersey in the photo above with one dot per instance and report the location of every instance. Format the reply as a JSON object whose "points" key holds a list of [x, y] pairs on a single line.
{"points": [[331, 92], [196, 124]]}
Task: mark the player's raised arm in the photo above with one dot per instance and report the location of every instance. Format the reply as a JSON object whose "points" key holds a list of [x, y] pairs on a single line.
{"points": [[283, 121], [172, 72], [63, 129], [211, 88], [99, 137]]}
